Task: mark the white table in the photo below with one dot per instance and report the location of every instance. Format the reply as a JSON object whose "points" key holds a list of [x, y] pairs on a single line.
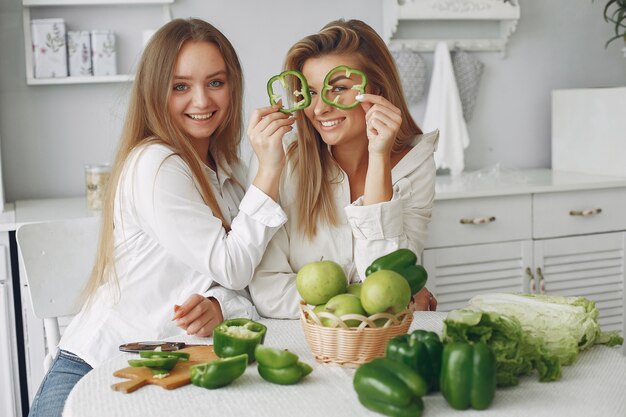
{"points": [[594, 386]]}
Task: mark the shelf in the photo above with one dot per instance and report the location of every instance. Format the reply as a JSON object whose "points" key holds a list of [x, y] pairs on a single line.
{"points": [[120, 78], [32, 3], [504, 13], [41, 6]]}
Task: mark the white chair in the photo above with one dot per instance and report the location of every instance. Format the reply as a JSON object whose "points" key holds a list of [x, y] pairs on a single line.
{"points": [[57, 258]]}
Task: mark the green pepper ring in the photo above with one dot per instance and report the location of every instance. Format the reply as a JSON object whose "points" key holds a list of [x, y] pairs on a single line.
{"points": [[359, 87], [304, 91], [160, 363]]}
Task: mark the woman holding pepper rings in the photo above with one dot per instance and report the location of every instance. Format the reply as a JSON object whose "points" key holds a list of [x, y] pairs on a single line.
{"points": [[360, 174], [180, 234]]}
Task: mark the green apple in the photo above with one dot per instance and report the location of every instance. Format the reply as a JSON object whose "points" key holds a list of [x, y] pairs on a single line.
{"points": [[344, 304], [355, 289], [385, 291], [318, 282]]}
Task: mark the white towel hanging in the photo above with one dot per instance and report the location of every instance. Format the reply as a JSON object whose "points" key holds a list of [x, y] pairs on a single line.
{"points": [[444, 112]]}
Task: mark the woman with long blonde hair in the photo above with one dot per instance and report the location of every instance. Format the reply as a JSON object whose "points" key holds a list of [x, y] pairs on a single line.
{"points": [[180, 234], [360, 180]]}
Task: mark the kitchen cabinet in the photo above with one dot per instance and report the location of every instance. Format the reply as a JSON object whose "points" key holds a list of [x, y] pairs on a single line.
{"points": [[536, 231], [98, 14]]}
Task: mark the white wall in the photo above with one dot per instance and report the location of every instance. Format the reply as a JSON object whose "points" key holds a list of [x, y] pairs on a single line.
{"points": [[49, 132]]}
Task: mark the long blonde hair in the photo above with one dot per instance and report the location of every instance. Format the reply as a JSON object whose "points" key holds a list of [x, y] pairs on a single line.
{"points": [[314, 166], [149, 120]]}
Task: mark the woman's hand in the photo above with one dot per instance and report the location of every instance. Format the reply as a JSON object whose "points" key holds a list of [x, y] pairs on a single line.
{"points": [[383, 121], [198, 315], [424, 300], [266, 129]]}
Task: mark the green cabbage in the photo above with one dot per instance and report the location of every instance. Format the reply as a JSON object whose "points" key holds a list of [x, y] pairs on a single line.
{"points": [[529, 332], [515, 353]]}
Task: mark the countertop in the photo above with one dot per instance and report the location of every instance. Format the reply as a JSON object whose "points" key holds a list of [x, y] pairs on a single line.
{"points": [[593, 386]]}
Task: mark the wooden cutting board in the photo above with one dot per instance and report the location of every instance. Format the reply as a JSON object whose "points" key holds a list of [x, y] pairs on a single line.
{"points": [[179, 376]]}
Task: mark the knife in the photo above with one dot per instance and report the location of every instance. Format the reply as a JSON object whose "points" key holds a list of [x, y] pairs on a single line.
{"points": [[152, 345]]}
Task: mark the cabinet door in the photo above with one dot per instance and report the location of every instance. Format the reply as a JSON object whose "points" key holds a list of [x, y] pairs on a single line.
{"points": [[457, 274], [591, 266]]}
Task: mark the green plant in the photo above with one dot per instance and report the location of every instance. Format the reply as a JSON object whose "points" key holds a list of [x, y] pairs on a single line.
{"points": [[615, 13]]}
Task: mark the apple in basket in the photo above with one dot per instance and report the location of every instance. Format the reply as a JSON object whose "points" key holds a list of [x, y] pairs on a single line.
{"points": [[318, 282], [343, 304], [385, 291]]}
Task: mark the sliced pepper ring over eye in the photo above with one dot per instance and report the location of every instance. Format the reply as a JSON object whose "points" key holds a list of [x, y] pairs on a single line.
{"points": [[347, 71], [301, 104]]}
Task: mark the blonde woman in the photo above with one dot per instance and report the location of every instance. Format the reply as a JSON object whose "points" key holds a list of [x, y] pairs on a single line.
{"points": [[180, 235], [359, 181]]}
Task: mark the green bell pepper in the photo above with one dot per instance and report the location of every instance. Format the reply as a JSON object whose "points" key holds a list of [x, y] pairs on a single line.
{"points": [[182, 356], [360, 88], [218, 373], [420, 350], [390, 387], [303, 92], [468, 375], [160, 363], [404, 262], [236, 336], [280, 366]]}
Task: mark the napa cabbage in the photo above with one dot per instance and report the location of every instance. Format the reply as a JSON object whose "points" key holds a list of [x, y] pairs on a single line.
{"points": [[529, 332]]}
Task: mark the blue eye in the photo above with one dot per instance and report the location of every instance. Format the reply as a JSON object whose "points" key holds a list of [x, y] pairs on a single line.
{"points": [[180, 87], [216, 83]]}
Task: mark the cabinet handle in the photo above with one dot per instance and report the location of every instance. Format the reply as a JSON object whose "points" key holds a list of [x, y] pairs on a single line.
{"points": [[586, 213], [542, 285], [531, 277], [478, 220]]}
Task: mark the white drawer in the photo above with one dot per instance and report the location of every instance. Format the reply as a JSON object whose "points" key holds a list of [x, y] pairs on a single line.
{"points": [[579, 212], [506, 218]]}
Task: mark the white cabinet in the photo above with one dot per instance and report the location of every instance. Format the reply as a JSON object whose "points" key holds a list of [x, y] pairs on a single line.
{"points": [[591, 266], [128, 23], [535, 231]]}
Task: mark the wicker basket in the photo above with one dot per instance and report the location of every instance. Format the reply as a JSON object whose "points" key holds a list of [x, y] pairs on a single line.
{"points": [[351, 346]]}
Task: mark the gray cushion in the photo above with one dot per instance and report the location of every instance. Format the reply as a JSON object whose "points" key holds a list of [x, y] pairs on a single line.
{"points": [[412, 69], [468, 71]]}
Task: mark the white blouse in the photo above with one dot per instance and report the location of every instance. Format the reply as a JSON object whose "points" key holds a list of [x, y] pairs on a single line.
{"points": [[363, 234], [168, 246]]}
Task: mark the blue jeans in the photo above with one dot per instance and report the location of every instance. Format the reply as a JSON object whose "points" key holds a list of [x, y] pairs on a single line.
{"points": [[65, 372]]}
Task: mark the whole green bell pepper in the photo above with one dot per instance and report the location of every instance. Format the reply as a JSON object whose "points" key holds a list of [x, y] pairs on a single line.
{"points": [[390, 387], [360, 88], [280, 366], [420, 350], [303, 92], [236, 336], [404, 262], [219, 372], [468, 375]]}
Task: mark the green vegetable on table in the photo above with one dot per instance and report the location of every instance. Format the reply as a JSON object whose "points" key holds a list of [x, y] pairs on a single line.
{"points": [[390, 387], [280, 366], [515, 354], [160, 363], [421, 351], [404, 262], [219, 372], [328, 87], [529, 332], [236, 336], [562, 326], [468, 375], [303, 92]]}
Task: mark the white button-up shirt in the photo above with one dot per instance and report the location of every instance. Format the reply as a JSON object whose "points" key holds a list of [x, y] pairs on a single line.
{"points": [[168, 246], [363, 234]]}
